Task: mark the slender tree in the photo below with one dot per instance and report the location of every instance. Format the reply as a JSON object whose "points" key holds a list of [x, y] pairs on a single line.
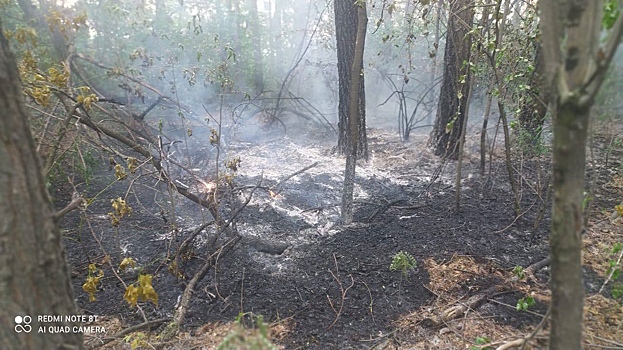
{"points": [[454, 88], [577, 60], [34, 278], [353, 114], [258, 60], [346, 35]]}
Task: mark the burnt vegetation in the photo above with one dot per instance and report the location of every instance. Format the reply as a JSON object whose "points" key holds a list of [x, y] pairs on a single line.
{"points": [[218, 185]]}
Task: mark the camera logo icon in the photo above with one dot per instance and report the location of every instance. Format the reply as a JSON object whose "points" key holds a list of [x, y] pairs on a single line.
{"points": [[22, 324]]}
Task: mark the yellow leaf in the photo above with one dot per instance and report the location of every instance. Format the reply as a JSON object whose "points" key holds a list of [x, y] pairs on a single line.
{"points": [[127, 262], [131, 295]]}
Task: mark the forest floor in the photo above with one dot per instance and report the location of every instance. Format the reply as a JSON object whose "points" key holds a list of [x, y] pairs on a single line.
{"points": [[319, 285]]}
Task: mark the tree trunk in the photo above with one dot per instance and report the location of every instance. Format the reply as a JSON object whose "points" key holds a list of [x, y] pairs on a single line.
{"points": [[37, 17], [256, 37], [353, 114], [454, 88], [346, 36], [570, 133], [577, 55], [534, 106], [34, 278]]}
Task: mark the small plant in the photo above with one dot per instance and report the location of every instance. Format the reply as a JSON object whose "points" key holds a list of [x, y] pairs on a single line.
{"points": [[617, 291], [481, 341], [403, 262], [136, 340], [519, 272], [587, 199], [614, 267], [524, 304], [256, 338]]}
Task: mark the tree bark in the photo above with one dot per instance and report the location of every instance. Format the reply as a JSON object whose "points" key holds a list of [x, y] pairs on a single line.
{"points": [[577, 57], [256, 37], [570, 129], [353, 114], [454, 88], [534, 106], [34, 277], [346, 36]]}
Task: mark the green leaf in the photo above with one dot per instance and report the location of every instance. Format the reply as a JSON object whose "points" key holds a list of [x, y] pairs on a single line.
{"points": [[611, 13]]}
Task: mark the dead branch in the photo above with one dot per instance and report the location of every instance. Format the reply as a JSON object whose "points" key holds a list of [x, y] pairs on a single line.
{"points": [[384, 208], [511, 344], [473, 302], [127, 331], [278, 185], [210, 261], [343, 292], [184, 246], [76, 200], [155, 161], [173, 327], [118, 72], [536, 330]]}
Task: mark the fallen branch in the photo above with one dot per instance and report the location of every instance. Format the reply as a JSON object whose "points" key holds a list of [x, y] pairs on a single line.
{"points": [[173, 327], [184, 246], [384, 208], [473, 302], [278, 185], [127, 331]]}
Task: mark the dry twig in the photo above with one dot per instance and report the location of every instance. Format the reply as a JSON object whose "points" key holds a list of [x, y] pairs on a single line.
{"points": [[343, 292]]}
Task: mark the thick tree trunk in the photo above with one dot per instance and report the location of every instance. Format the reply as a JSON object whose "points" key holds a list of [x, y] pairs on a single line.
{"points": [[454, 89], [34, 278], [346, 36]]}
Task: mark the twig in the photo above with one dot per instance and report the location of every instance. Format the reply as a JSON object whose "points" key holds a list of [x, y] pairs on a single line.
{"points": [[184, 246], [127, 331], [511, 344], [384, 208], [342, 291], [536, 330], [459, 309], [371, 301], [75, 203], [278, 185], [178, 318], [242, 293], [611, 272]]}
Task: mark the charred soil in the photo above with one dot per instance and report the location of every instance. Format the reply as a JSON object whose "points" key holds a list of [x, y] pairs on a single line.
{"points": [[321, 285]]}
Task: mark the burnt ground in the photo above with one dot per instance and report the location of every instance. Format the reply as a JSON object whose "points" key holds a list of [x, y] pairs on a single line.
{"points": [[321, 285]]}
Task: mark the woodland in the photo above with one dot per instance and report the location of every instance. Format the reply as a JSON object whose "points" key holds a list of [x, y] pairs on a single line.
{"points": [[346, 174]]}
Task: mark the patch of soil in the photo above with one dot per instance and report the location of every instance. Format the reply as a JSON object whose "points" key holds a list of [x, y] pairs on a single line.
{"points": [[318, 284]]}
